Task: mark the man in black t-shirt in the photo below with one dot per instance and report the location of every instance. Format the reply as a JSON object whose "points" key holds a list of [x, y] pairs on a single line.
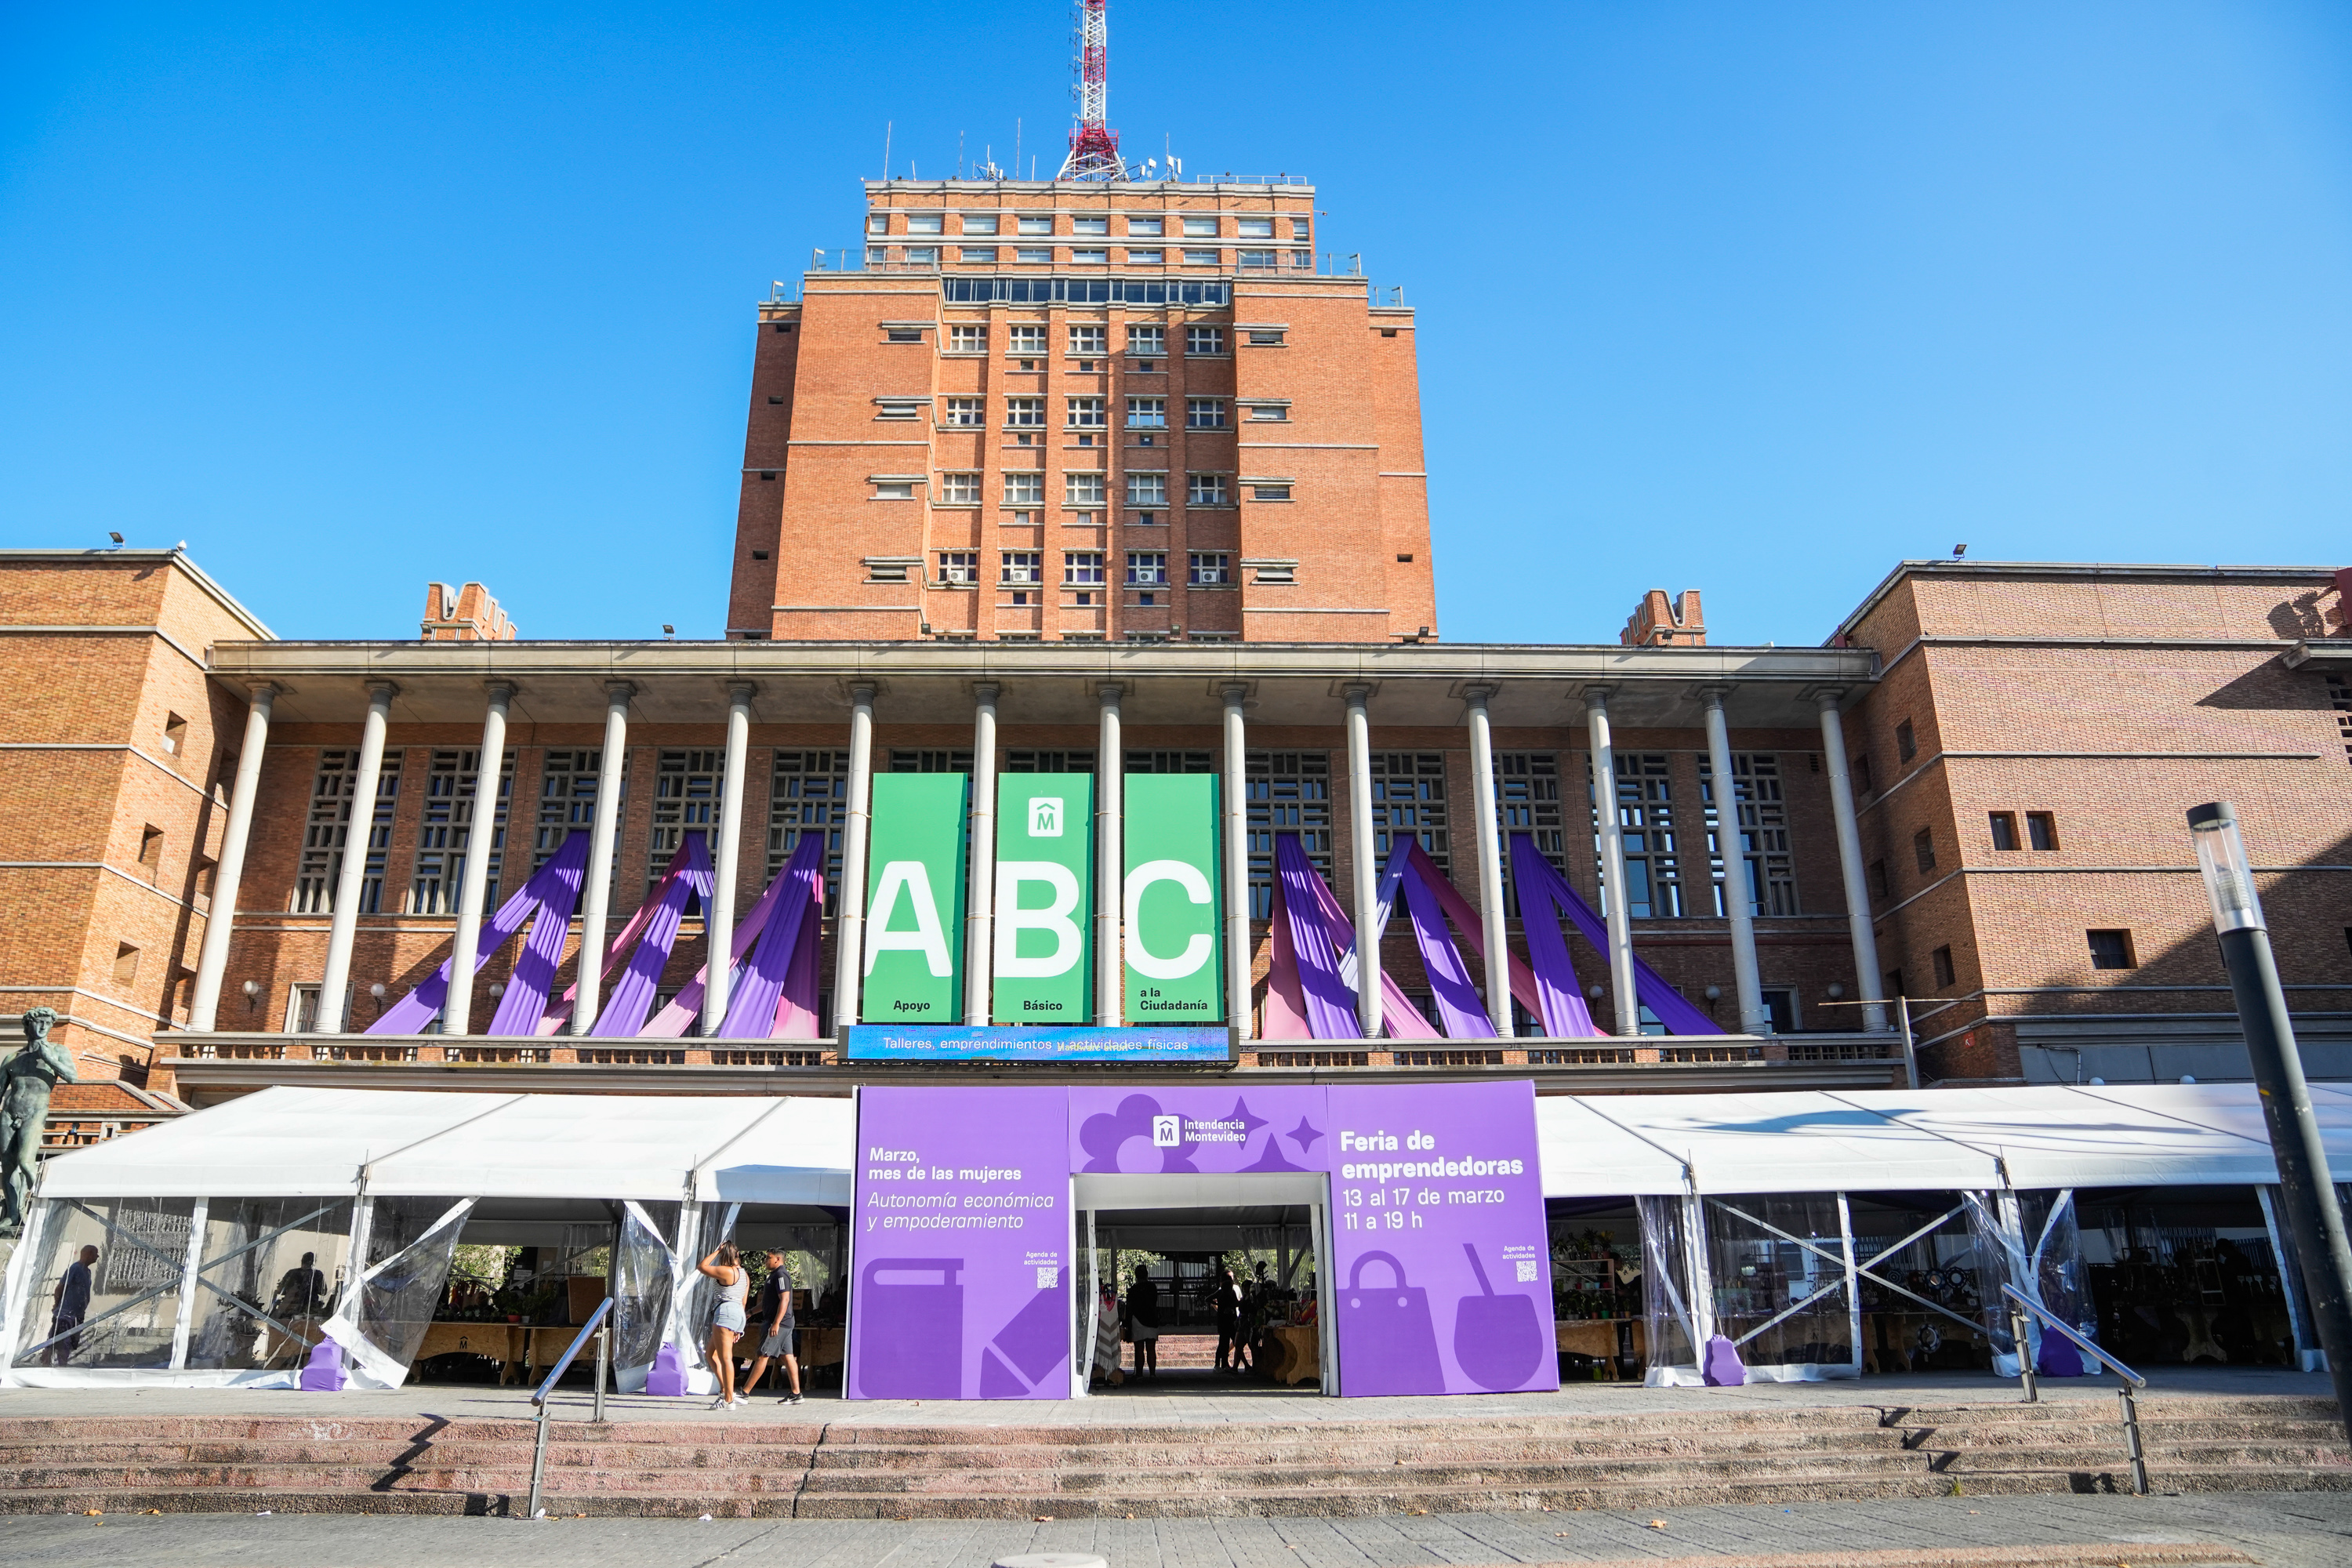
{"points": [[771, 1314]]}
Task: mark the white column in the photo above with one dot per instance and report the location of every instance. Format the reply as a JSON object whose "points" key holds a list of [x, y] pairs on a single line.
{"points": [[1237, 905], [345, 924], [979, 958], [727, 858], [1110, 766], [596, 906], [1857, 892], [1738, 903], [474, 886], [849, 930], [1612, 863], [1362, 860], [1490, 860], [212, 961]]}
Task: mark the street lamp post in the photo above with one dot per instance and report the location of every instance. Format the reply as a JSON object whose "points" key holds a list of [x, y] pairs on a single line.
{"points": [[2306, 1190]]}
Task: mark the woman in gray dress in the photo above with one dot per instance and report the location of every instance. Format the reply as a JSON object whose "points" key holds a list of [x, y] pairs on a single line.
{"points": [[726, 1266]]}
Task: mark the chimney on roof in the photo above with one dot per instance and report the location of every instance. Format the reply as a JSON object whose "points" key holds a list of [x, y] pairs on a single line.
{"points": [[464, 615], [1660, 622]]}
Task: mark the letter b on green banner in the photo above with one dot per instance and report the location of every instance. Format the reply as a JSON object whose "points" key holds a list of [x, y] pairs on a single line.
{"points": [[1045, 898], [1173, 899], [914, 899]]}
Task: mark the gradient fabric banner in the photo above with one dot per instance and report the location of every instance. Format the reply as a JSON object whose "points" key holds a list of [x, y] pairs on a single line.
{"points": [[962, 1246], [1173, 899], [1440, 1271], [1045, 898], [914, 899]]}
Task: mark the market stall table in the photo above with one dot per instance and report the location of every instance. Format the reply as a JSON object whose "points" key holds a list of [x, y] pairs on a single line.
{"points": [[1293, 1353]]}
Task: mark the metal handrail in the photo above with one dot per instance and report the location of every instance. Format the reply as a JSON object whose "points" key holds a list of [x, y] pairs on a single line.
{"points": [[2019, 1305], [595, 1325]]}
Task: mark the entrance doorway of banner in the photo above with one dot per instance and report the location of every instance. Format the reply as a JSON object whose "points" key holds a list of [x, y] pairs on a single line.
{"points": [[1271, 1228]]}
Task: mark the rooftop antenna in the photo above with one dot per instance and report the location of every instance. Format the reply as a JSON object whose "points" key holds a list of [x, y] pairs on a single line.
{"points": [[1016, 146], [1094, 146], [886, 151], [959, 155]]}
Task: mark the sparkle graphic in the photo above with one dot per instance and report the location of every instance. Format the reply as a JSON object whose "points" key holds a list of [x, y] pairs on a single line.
{"points": [[1250, 1124], [1304, 1135]]}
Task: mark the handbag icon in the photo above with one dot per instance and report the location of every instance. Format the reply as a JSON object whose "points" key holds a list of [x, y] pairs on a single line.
{"points": [[1387, 1343], [909, 1329]]}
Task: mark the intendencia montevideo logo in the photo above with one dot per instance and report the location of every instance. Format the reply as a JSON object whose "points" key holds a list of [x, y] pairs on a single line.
{"points": [[1046, 816]]}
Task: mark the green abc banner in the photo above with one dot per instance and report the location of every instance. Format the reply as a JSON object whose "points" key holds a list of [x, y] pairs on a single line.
{"points": [[1044, 899], [914, 899], [1173, 899]]}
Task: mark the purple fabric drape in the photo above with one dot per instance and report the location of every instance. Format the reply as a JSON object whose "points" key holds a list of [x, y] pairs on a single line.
{"points": [[561, 1014], [1559, 998], [1672, 1008], [676, 1020], [751, 1004], [1459, 1010], [1330, 1010], [542, 952], [1524, 985], [796, 1009], [414, 1011], [624, 1010]]}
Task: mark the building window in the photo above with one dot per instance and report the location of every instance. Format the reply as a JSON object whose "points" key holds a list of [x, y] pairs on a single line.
{"points": [[1289, 792], [1942, 959], [1265, 337], [1248, 260], [688, 789], [969, 412], [1906, 741], [1085, 413], [1763, 833], [175, 735], [1300, 229], [894, 490], [1146, 339], [1645, 820], [1148, 227], [980, 223], [1304, 261], [1200, 228], [1147, 414], [1257, 228], [1025, 340], [1207, 490], [1409, 799], [1199, 258], [905, 761], [878, 223], [926, 222], [980, 252], [126, 964], [1269, 413], [1147, 490], [960, 567], [1269, 492], [1527, 800], [1923, 848], [150, 849], [568, 781], [1878, 885], [1204, 414], [1024, 412], [1171, 761], [959, 489], [2041, 829], [1088, 341], [1036, 257], [1024, 489], [1861, 769], [2004, 829], [1020, 566], [1031, 761], [2111, 949], [1082, 567], [1036, 226], [1082, 489], [1146, 568], [919, 255], [1204, 340], [968, 340], [1090, 259], [1146, 257], [1210, 569], [327, 828], [1090, 225], [444, 831]]}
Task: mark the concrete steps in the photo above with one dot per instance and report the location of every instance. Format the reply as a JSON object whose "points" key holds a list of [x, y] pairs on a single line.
{"points": [[741, 1465]]}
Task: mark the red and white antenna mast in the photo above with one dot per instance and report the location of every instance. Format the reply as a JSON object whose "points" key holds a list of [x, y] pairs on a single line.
{"points": [[1094, 146]]}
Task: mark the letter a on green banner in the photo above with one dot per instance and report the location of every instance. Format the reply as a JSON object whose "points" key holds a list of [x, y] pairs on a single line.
{"points": [[914, 899], [1173, 899], [1045, 898]]}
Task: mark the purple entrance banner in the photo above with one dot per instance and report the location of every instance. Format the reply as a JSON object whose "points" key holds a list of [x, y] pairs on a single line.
{"points": [[1441, 1272], [963, 1244], [1166, 1129]]}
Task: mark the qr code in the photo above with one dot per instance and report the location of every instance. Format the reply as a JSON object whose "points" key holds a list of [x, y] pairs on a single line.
{"points": [[1526, 1270], [1047, 1274]]}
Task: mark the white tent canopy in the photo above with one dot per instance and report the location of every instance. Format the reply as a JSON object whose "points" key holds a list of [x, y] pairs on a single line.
{"points": [[327, 1142]]}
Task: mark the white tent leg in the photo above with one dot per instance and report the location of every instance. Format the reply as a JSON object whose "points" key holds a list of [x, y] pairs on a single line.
{"points": [[188, 1271]]}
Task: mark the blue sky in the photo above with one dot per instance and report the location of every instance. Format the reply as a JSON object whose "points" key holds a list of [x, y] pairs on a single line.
{"points": [[1754, 299]]}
